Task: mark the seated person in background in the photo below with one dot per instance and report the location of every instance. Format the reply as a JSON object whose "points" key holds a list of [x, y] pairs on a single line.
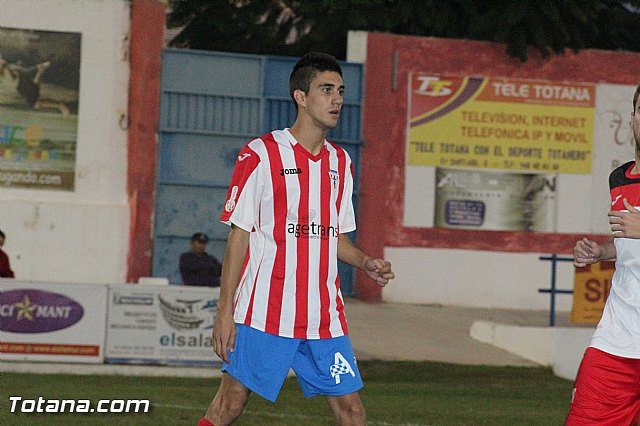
{"points": [[198, 267], [5, 267]]}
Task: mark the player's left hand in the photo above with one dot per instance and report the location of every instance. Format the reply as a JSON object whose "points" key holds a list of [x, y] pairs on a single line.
{"points": [[625, 224], [379, 270]]}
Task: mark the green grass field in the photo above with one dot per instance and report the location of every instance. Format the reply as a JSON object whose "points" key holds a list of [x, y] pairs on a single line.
{"points": [[395, 393]]}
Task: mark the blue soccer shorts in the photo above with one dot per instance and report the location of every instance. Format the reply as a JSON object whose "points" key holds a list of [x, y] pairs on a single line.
{"points": [[261, 362]]}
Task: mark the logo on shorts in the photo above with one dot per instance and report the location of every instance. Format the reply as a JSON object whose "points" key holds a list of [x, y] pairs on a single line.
{"points": [[340, 367]]}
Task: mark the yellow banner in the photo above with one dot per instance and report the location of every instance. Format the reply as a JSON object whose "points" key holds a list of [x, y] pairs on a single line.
{"points": [[511, 124], [590, 291]]}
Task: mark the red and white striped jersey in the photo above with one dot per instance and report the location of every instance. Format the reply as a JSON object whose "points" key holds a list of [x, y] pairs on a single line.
{"points": [[294, 204]]}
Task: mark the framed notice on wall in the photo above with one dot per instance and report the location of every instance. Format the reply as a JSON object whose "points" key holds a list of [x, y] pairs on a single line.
{"points": [[39, 90]]}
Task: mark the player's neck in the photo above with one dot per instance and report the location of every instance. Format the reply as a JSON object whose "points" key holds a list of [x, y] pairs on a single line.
{"points": [[309, 136]]}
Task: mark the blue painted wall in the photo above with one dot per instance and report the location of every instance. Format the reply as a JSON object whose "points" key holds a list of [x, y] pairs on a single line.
{"points": [[211, 105]]}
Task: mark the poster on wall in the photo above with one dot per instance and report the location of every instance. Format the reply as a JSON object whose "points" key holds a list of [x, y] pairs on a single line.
{"points": [[39, 91], [494, 148], [161, 325], [478, 199], [54, 322], [500, 123]]}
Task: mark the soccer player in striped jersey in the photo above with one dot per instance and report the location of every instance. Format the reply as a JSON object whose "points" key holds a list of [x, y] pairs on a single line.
{"points": [[289, 207], [607, 388]]}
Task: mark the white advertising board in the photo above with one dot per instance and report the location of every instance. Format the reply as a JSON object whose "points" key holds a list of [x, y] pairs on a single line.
{"points": [[150, 324], [41, 321]]}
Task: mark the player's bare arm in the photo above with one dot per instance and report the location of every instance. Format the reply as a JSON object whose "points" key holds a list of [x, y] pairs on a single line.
{"points": [[379, 270], [587, 252], [224, 329], [625, 224]]}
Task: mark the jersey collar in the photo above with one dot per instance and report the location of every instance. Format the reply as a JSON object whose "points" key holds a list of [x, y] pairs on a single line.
{"points": [[302, 150], [632, 175]]}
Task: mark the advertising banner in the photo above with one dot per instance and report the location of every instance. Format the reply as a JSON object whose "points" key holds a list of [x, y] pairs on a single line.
{"points": [[39, 91], [500, 123], [161, 324], [52, 321], [590, 291]]}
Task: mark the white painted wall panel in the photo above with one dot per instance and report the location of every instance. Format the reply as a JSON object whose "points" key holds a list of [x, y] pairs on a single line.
{"points": [[81, 235], [475, 278]]}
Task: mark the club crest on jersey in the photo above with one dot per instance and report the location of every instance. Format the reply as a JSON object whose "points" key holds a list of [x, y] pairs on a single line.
{"points": [[335, 179], [340, 366], [231, 202], [293, 171]]}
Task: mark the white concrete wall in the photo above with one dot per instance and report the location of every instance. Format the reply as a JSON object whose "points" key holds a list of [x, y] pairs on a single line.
{"points": [[560, 348], [81, 235], [475, 278]]}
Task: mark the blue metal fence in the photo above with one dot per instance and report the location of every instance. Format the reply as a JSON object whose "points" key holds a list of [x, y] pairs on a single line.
{"points": [[554, 290]]}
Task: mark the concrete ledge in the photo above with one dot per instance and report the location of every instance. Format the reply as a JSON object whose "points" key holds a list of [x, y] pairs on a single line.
{"points": [[570, 345], [560, 348], [532, 343], [109, 369]]}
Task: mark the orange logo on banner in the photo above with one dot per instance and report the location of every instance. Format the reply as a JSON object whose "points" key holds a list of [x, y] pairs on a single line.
{"points": [[591, 287]]}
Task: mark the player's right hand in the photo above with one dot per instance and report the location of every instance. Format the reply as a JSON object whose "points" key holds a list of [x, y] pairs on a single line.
{"points": [[586, 252], [224, 335]]}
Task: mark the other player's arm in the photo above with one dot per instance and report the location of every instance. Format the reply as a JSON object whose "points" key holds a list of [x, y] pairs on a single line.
{"points": [[378, 270], [224, 329], [586, 252], [625, 224]]}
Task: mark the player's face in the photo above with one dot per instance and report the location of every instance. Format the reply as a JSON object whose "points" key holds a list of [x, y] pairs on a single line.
{"points": [[635, 125], [324, 100]]}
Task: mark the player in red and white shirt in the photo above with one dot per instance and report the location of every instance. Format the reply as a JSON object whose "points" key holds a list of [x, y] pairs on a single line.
{"points": [[289, 206], [291, 286], [607, 388]]}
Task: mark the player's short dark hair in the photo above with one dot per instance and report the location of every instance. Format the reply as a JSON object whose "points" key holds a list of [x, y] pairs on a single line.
{"points": [[306, 69], [2, 234], [635, 98]]}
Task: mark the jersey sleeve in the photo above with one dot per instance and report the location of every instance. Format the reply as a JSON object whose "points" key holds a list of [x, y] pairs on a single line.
{"points": [[624, 187], [347, 217], [243, 197]]}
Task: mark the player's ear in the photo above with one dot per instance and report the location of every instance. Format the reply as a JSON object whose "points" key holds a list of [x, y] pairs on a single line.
{"points": [[300, 97]]}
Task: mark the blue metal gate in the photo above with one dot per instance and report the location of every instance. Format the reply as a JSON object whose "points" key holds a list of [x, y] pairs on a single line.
{"points": [[211, 105]]}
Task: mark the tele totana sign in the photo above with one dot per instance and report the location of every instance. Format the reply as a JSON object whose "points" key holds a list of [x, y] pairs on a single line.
{"points": [[500, 123]]}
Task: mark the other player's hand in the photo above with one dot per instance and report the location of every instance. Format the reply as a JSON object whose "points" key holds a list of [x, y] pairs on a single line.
{"points": [[625, 224], [586, 252], [224, 335], [379, 270]]}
